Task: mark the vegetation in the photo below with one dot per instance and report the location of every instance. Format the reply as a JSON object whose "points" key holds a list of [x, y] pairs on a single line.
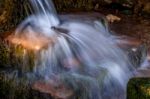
{"points": [[138, 88], [13, 57], [12, 87], [13, 79], [11, 14]]}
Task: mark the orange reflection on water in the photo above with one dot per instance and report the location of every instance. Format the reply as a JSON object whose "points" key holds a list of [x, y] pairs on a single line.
{"points": [[32, 43]]}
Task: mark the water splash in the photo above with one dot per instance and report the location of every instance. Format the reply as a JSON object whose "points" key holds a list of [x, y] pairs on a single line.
{"points": [[80, 56]]}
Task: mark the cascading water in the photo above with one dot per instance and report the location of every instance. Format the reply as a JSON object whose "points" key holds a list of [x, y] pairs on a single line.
{"points": [[77, 59]]}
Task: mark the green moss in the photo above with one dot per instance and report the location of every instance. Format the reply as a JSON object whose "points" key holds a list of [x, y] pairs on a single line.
{"points": [[16, 57], [12, 87], [4, 55], [138, 88]]}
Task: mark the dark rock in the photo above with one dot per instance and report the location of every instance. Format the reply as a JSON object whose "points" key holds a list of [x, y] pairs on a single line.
{"points": [[11, 14]]}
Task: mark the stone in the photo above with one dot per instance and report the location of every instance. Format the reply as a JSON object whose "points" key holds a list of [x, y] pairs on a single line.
{"points": [[112, 18]]}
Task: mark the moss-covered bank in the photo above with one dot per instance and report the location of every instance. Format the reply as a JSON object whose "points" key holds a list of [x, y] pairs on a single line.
{"points": [[12, 87], [138, 88]]}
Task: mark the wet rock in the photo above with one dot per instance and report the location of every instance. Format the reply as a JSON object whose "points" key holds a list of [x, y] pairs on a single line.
{"points": [[146, 8], [136, 51], [126, 42], [138, 56], [141, 6], [112, 18], [54, 89]]}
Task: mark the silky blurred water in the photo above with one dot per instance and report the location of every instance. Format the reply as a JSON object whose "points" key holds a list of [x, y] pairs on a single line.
{"points": [[82, 55]]}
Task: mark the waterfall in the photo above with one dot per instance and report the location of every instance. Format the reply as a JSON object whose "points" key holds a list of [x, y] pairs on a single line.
{"points": [[77, 59]]}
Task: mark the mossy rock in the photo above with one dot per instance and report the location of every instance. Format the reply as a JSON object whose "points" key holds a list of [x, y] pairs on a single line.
{"points": [[138, 88], [18, 88], [14, 57]]}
